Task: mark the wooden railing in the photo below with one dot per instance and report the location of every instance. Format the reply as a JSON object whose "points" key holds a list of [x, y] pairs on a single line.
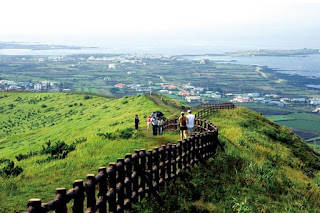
{"points": [[210, 108], [134, 177], [172, 123]]}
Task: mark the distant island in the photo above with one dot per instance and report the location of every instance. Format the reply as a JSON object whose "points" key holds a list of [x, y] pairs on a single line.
{"points": [[16, 45], [265, 52]]}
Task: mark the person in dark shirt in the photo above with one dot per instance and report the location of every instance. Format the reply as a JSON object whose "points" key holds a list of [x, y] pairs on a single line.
{"points": [[154, 123], [136, 123]]}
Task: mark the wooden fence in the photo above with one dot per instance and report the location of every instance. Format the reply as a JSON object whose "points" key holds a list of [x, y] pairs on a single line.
{"points": [[210, 108], [134, 177], [172, 123]]}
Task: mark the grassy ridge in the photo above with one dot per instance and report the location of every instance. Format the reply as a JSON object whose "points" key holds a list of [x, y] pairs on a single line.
{"points": [[265, 168], [28, 120]]}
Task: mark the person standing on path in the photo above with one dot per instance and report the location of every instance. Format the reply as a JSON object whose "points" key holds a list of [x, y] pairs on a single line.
{"points": [[148, 122], [183, 125], [136, 123], [154, 123], [190, 122], [160, 125]]}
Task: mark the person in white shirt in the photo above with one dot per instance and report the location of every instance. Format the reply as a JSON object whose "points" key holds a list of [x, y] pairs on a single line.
{"points": [[190, 122]]}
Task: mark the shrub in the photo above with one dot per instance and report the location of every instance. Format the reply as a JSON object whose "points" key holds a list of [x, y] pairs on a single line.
{"points": [[126, 133], [10, 169], [25, 156], [59, 150], [11, 106], [107, 135]]}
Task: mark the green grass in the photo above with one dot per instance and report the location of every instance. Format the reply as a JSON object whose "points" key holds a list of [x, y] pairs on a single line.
{"points": [[265, 167], [36, 118]]}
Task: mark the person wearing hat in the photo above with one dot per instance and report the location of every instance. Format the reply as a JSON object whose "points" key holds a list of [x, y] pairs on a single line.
{"points": [[190, 122], [183, 125]]}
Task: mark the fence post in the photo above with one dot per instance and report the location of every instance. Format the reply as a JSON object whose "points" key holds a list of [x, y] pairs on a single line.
{"points": [[102, 195], [206, 144], [174, 160], [179, 159], [197, 149], [201, 145], [142, 190], [193, 149], [188, 152], [135, 175], [120, 187], [91, 192], [79, 197], [34, 205], [112, 176], [128, 181], [184, 154], [150, 170], [168, 161], [156, 168], [162, 165]]}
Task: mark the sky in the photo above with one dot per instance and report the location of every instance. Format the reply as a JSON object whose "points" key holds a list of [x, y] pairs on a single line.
{"points": [[196, 23]]}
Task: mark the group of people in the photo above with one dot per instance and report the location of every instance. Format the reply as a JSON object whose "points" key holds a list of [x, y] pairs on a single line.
{"points": [[186, 124], [157, 124]]}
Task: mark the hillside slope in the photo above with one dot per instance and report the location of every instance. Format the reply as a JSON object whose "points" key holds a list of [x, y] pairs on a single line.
{"points": [[265, 168], [92, 131]]}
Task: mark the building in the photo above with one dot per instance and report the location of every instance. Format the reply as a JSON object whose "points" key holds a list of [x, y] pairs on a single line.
{"points": [[164, 91], [112, 66], [193, 99], [204, 61], [315, 101], [214, 95], [284, 100], [37, 86], [131, 72], [120, 85], [316, 110], [184, 93], [298, 100], [169, 87], [254, 94], [14, 87], [25, 84], [198, 89], [241, 99]]}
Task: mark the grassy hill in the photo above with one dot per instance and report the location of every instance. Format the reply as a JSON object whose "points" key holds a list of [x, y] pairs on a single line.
{"points": [[265, 168], [95, 131]]}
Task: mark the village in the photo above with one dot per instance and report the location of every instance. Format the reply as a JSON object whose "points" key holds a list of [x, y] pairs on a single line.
{"points": [[31, 86], [128, 74]]}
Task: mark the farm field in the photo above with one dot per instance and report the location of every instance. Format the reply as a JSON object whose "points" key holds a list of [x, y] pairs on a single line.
{"points": [[91, 130], [78, 73]]}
